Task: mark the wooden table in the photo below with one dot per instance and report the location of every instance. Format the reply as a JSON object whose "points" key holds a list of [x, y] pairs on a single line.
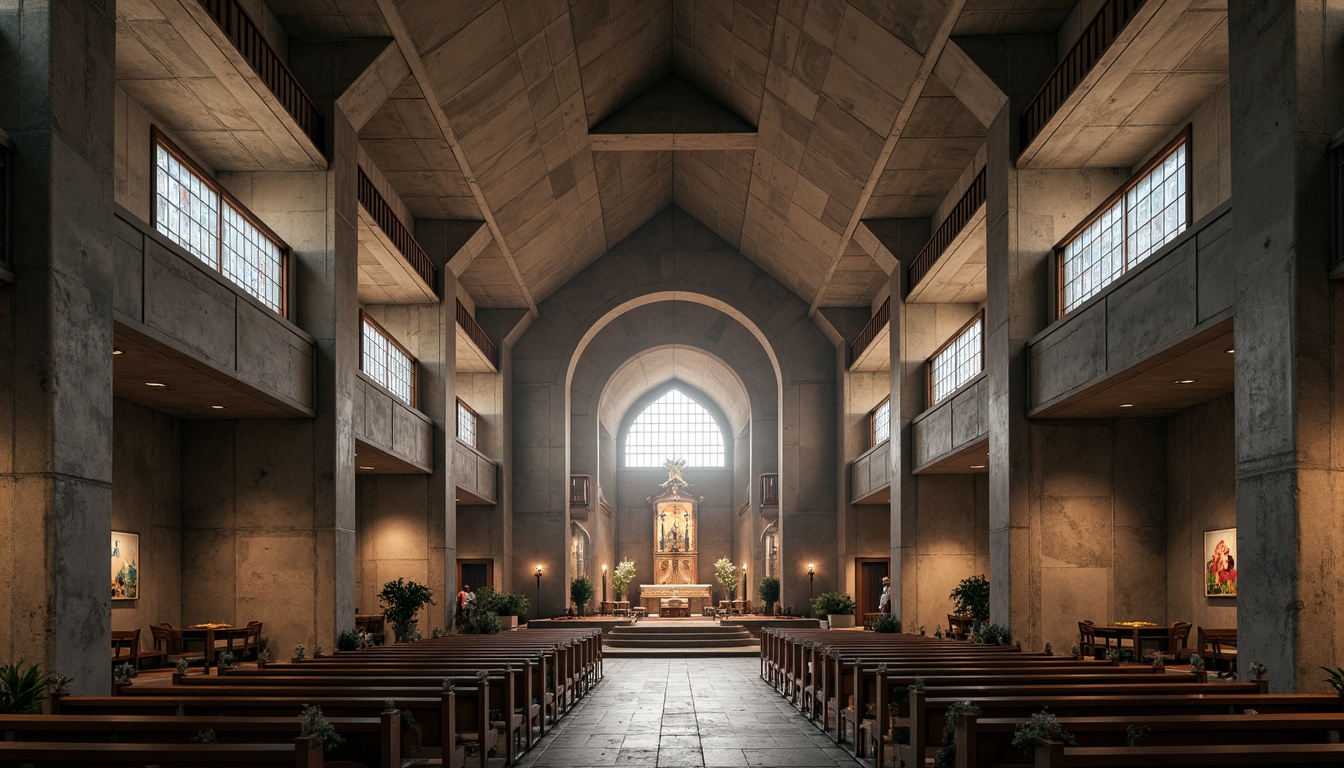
{"points": [[1154, 638], [205, 635]]}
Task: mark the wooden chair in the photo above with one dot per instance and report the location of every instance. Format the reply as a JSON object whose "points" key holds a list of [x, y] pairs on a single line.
{"points": [[959, 627], [1178, 642], [169, 645], [252, 640], [126, 647], [1087, 639]]}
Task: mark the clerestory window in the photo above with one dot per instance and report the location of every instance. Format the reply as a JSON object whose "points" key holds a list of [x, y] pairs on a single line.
{"points": [[674, 427], [1145, 214]]}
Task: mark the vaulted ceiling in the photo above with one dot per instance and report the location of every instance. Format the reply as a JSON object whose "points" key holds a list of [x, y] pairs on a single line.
{"points": [[831, 112]]}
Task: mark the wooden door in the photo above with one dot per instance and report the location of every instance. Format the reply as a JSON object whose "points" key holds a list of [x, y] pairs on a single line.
{"points": [[869, 573], [477, 573]]}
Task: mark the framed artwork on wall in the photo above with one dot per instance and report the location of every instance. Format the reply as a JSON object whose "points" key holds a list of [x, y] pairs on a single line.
{"points": [[125, 566], [1220, 563]]}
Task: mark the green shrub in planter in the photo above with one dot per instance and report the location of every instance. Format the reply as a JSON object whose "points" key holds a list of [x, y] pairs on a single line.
{"points": [[828, 603], [348, 640], [886, 623], [769, 593], [404, 599], [581, 592]]}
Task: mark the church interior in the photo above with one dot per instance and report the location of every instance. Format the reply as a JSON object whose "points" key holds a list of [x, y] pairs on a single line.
{"points": [[711, 308]]}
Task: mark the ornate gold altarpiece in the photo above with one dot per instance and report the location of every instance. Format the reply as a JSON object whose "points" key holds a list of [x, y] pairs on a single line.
{"points": [[676, 548]]}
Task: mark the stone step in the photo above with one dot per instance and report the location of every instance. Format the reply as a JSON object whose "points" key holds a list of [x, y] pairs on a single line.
{"points": [[669, 642]]}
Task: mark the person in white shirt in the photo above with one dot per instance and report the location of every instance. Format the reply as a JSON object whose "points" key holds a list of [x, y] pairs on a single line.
{"points": [[884, 603]]}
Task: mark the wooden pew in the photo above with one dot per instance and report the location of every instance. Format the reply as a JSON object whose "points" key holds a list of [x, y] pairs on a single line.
{"points": [[437, 715], [1223, 756], [985, 742], [500, 689], [304, 752], [368, 741]]}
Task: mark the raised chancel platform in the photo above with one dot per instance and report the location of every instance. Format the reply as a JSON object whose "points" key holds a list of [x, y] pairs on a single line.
{"points": [[691, 637]]}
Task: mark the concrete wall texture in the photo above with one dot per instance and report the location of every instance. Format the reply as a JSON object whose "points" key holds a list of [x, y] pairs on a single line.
{"points": [[1082, 518]]}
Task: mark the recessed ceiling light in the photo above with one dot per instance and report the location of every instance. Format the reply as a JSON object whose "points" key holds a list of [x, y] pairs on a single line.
{"points": [[1126, 405], [217, 407], [977, 466], [117, 352], [364, 467], [1230, 351], [1185, 381], [155, 384]]}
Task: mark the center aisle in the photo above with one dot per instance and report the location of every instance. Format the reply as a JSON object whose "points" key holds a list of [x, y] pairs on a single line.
{"points": [[684, 712]]}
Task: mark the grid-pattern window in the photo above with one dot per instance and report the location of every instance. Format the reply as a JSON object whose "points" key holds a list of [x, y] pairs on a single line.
{"points": [[188, 208], [881, 417], [1150, 211], [192, 211], [251, 260], [1156, 207], [386, 363], [957, 362], [466, 424], [1095, 258], [674, 427]]}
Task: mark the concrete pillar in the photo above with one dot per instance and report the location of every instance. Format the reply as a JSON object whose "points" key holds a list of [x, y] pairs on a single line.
{"points": [[428, 502], [56, 339], [1284, 65], [1027, 212]]}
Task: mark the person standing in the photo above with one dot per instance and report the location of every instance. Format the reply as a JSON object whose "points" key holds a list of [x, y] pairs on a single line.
{"points": [[884, 602], [464, 597]]}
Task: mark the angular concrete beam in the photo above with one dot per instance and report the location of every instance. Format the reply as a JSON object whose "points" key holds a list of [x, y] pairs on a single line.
{"points": [[672, 114], [661, 142], [374, 86], [973, 88], [937, 43]]}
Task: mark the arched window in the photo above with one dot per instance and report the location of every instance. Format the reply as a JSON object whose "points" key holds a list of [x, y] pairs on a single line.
{"points": [[674, 427]]}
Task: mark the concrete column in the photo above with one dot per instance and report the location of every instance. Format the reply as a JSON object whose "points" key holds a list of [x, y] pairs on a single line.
{"points": [[1027, 212], [56, 339], [415, 502], [1284, 65]]}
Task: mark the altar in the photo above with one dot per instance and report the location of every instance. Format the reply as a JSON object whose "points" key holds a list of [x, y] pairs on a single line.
{"points": [[679, 599]]}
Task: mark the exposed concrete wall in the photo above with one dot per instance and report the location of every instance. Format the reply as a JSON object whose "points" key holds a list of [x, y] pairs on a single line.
{"points": [[1201, 496], [672, 253], [863, 391], [1210, 155], [147, 500], [133, 161], [716, 520], [484, 394], [57, 104], [946, 541], [1098, 489]]}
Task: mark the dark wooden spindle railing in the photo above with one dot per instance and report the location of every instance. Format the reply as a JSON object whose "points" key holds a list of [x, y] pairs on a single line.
{"points": [[401, 237], [942, 238], [875, 325], [580, 490], [1075, 65], [477, 335], [247, 38], [770, 489]]}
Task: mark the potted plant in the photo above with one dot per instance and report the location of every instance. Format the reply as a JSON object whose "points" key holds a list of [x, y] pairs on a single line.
{"points": [[622, 576], [836, 607], [726, 574], [581, 592], [970, 598], [403, 600], [769, 593], [506, 606], [23, 689]]}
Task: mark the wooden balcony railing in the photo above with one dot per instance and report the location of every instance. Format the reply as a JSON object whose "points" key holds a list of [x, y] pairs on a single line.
{"points": [[956, 220], [1075, 65], [6, 202], [477, 335], [249, 41], [770, 489], [401, 237], [875, 324], [580, 490]]}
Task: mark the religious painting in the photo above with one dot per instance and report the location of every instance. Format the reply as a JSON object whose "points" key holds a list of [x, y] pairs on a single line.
{"points": [[675, 521], [1220, 563], [125, 566]]}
